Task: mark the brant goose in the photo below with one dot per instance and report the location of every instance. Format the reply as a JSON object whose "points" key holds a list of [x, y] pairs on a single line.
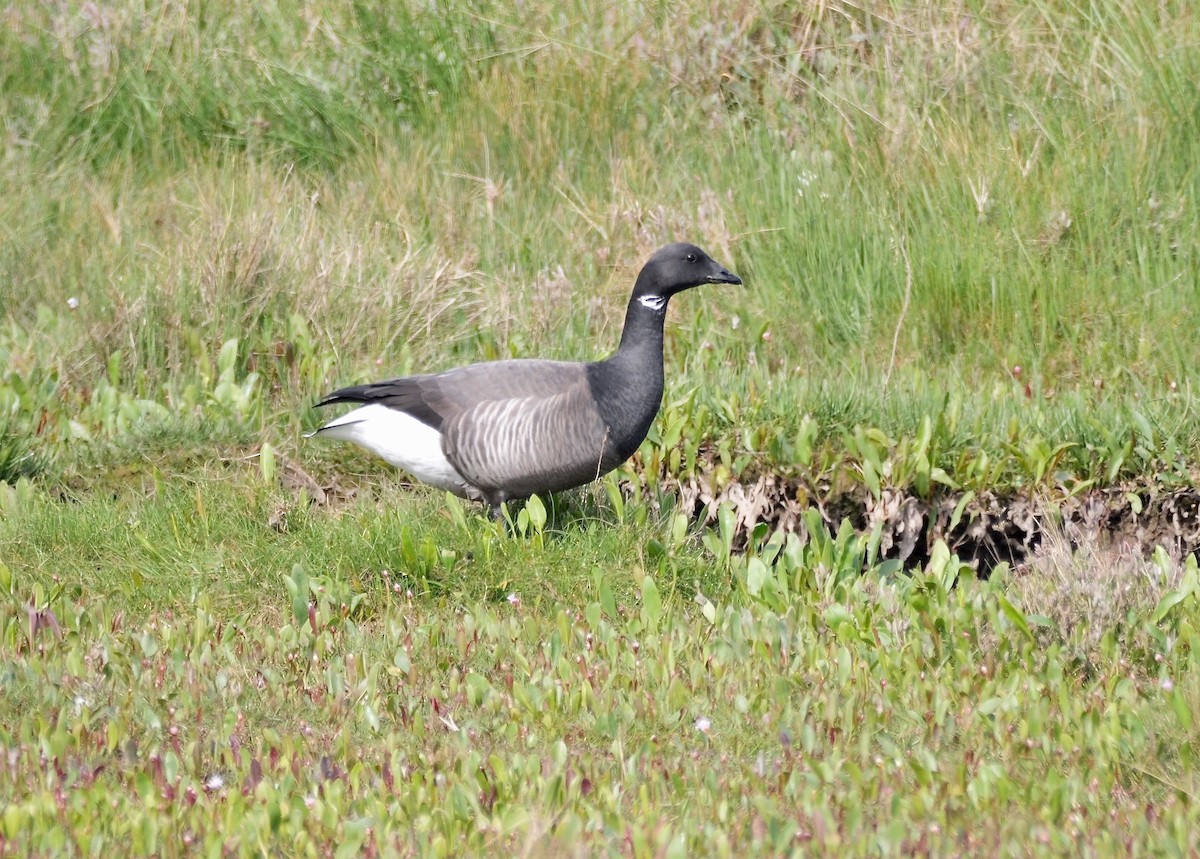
{"points": [[502, 430]]}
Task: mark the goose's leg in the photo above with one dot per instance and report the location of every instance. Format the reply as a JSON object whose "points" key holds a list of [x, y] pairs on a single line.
{"points": [[495, 503]]}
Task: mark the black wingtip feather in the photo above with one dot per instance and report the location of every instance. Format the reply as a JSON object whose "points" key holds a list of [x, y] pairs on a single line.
{"points": [[355, 394], [404, 395]]}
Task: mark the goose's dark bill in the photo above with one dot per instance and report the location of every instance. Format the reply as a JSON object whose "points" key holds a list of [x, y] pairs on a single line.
{"points": [[725, 277], [506, 429]]}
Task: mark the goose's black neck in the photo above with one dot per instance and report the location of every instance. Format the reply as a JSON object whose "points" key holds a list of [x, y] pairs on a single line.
{"points": [[627, 387], [644, 318]]}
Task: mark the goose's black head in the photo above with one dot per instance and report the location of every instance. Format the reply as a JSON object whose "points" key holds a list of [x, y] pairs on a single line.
{"points": [[675, 268]]}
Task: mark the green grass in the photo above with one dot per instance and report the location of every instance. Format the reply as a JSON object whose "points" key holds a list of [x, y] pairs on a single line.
{"points": [[869, 715], [969, 242]]}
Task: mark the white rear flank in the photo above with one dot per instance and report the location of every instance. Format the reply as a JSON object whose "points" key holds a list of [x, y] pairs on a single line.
{"points": [[401, 440]]}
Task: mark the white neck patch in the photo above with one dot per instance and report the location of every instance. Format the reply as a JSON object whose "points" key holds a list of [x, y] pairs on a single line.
{"points": [[653, 302]]}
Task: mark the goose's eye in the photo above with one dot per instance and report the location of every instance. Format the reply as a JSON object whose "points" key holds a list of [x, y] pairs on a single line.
{"points": [[691, 257]]}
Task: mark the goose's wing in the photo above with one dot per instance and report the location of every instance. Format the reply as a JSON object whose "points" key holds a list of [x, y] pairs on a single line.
{"points": [[542, 441], [437, 398]]}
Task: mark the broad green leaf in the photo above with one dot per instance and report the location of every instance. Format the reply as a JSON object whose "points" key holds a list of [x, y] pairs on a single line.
{"points": [[956, 517], [679, 526], [227, 357], [1169, 600], [1014, 614], [757, 574], [1183, 709], [726, 525], [608, 602], [537, 513], [651, 602], [990, 705], [266, 463], [299, 592]]}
